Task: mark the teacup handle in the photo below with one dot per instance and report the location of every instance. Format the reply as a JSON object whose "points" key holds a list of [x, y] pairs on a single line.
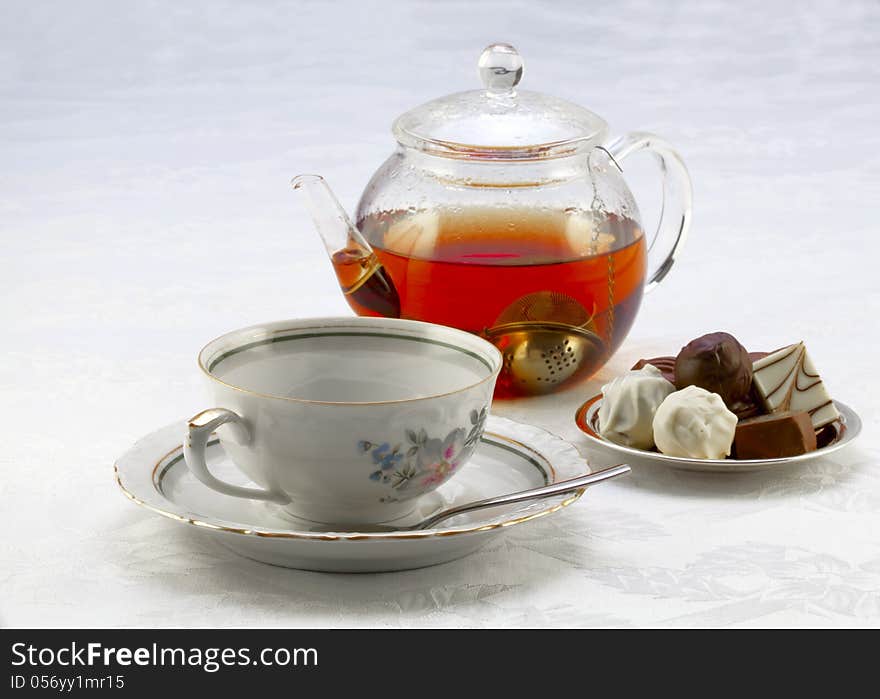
{"points": [[200, 427], [675, 214]]}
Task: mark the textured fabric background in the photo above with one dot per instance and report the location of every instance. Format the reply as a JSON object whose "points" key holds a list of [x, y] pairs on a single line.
{"points": [[145, 151]]}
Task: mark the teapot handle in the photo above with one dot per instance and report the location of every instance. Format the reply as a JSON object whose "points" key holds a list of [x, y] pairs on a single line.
{"points": [[675, 213]]}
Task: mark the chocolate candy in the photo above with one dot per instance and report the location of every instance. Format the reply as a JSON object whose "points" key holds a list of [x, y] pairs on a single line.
{"points": [[774, 436], [751, 405], [628, 405], [745, 409], [717, 363], [694, 423], [666, 365], [787, 380]]}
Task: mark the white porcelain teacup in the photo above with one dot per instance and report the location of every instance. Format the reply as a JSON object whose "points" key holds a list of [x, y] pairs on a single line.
{"points": [[344, 420]]}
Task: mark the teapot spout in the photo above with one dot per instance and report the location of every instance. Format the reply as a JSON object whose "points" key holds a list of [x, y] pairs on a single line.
{"points": [[361, 276], [327, 214]]}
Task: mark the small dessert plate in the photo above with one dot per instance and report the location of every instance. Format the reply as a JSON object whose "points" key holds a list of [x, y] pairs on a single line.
{"points": [[833, 437], [511, 456]]}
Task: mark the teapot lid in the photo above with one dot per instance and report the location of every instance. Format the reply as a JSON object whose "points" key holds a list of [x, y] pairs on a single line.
{"points": [[500, 122]]}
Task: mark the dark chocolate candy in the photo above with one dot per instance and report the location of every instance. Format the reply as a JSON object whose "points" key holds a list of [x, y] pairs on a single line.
{"points": [[666, 365], [751, 405], [828, 434], [745, 409], [717, 363], [774, 436]]}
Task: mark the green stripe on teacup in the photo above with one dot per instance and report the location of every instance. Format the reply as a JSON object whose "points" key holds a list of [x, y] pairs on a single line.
{"points": [[337, 333]]}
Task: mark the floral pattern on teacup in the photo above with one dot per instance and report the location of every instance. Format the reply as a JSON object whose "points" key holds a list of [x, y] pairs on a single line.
{"points": [[421, 462]]}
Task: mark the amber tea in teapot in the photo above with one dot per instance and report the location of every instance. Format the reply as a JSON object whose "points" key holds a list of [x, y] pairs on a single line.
{"points": [[485, 269]]}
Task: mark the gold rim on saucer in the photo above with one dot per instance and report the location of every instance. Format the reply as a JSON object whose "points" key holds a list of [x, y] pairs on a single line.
{"points": [[172, 457]]}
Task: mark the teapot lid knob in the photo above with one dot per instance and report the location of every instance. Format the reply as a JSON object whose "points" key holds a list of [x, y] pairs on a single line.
{"points": [[501, 69]]}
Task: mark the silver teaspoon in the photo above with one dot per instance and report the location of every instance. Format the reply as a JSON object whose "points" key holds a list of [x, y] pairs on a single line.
{"points": [[546, 491]]}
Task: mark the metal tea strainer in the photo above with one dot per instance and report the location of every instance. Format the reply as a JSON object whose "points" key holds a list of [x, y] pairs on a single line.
{"points": [[546, 338]]}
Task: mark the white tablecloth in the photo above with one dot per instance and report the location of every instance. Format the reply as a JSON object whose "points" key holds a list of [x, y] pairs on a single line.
{"points": [[145, 151]]}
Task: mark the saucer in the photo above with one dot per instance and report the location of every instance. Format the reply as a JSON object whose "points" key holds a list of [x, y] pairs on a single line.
{"points": [[511, 456], [841, 432]]}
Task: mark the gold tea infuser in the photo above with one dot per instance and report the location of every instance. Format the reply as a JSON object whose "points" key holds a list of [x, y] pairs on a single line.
{"points": [[545, 338]]}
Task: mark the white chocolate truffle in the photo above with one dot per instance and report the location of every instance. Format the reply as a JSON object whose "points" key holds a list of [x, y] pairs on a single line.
{"points": [[694, 423], [628, 405]]}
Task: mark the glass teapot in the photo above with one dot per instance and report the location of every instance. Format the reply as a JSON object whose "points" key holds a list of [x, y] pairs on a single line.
{"points": [[505, 213]]}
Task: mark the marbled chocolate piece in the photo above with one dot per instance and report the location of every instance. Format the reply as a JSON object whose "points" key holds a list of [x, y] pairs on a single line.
{"points": [[666, 365], [787, 380], [774, 436]]}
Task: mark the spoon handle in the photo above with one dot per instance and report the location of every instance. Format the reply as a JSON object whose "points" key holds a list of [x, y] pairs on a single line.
{"points": [[546, 491]]}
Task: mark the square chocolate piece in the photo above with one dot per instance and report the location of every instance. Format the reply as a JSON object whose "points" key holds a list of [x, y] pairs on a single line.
{"points": [[788, 380], [774, 436]]}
